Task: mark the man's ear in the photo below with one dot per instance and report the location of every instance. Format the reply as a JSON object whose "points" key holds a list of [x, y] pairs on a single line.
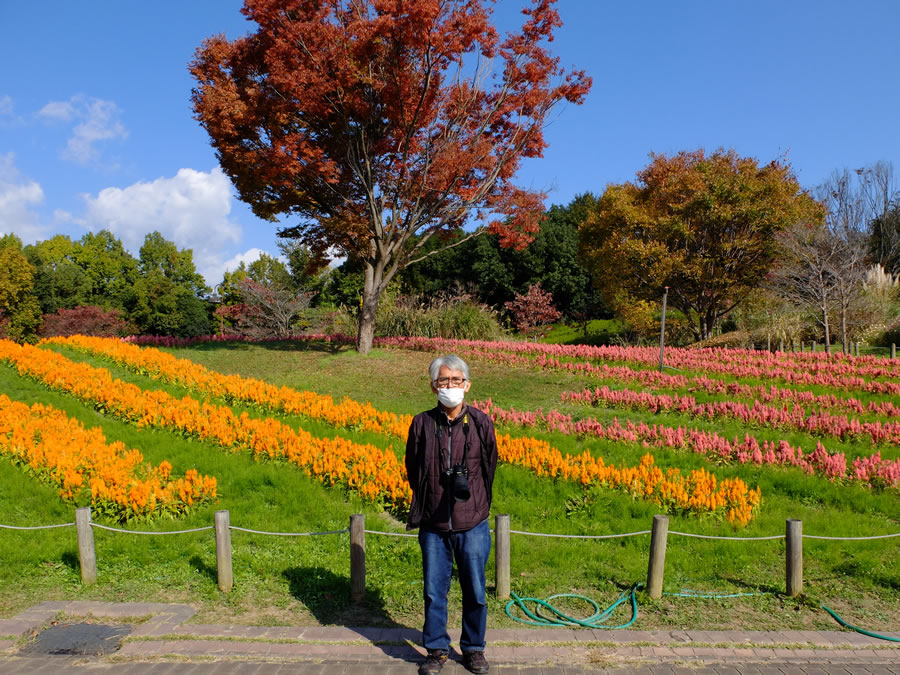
{"points": [[468, 384]]}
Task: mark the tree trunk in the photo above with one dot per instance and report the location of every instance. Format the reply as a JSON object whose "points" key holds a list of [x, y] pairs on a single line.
{"points": [[371, 293], [845, 340], [827, 332], [704, 327]]}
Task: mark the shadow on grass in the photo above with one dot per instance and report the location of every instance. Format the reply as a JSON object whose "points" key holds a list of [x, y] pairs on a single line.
{"points": [[205, 569], [748, 587], [327, 596], [599, 339], [279, 346], [70, 560]]}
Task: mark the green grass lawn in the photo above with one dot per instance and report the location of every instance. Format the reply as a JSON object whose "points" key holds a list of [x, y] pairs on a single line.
{"points": [[282, 580], [594, 332]]}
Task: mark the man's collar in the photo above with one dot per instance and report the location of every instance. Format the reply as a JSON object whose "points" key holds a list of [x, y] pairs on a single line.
{"points": [[442, 414]]}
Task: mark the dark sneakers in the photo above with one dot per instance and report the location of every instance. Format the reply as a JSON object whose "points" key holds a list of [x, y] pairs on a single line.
{"points": [[475, 662], [434, 661]]}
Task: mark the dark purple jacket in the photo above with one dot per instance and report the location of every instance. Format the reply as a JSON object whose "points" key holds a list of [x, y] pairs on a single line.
{"points": [[432, 504]]}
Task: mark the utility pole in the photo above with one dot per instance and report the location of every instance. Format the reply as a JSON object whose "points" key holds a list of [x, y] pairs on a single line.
{"points": [[662, 330]]}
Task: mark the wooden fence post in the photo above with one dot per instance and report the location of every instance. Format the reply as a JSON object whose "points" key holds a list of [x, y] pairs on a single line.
{"points": [[223, 551], [794, 557], [87, 558], [657, 556], [357, 557], [501, 554]]}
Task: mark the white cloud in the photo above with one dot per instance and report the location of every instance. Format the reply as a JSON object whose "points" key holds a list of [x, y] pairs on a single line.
{"points": [[190, 209], [247, 257], [18, 196], [58, 110], [6, 106], [97, 120]]}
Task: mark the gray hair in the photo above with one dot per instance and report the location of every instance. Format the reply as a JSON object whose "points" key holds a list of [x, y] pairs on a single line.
{"points": [[452, 361]]}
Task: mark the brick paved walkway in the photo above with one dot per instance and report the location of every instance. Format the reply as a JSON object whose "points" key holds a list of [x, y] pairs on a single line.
{"points": [[164, 643]]}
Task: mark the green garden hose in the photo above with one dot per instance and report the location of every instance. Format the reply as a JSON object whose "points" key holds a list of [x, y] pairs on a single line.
{"points": [[858, 630], [559, 619]]}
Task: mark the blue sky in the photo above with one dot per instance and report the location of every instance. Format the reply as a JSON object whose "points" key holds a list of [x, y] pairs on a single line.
{"points": [[96, 129]]}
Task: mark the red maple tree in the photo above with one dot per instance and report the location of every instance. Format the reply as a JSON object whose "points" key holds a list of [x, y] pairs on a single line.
{"points": [[532, 311], [377, 125]]}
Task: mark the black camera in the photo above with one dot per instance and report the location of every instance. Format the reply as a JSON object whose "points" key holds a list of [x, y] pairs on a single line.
{"points": [[456, 479]]}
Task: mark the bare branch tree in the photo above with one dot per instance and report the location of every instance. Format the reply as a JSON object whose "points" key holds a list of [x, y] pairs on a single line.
{"points": [[804, 273], [880, 192], [269, 310], [847, 203]]}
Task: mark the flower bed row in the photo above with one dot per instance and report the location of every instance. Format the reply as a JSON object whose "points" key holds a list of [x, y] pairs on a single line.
{"points": [[554, 357], [375, 474], [699, 492], [58, 450], [162, 366], [819, 423], [872, 471], [656, 380], [734, 362]]}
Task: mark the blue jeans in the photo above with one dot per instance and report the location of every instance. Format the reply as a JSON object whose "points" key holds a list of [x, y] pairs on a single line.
{"points": [[471, 550]]}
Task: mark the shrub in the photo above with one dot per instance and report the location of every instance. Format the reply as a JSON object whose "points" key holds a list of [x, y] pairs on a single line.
{"points": [[889, 335], [458, 317], [85, 320]]}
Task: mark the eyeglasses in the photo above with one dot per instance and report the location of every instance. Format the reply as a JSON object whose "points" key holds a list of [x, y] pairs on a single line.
{"points": [[443, 382]]}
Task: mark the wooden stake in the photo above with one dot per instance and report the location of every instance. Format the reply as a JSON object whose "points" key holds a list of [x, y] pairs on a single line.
{"points": [[501, 554], [794, 557], [87, 557], [657, 564], [223, 551]]}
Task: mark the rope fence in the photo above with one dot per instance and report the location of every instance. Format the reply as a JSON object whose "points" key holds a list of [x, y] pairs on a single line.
{"points": [[36, 527], [117, 529], [580, 536], [659, 533]]}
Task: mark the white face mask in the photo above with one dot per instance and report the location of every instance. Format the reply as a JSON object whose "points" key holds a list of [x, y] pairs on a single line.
{"points": [[450, 398]]}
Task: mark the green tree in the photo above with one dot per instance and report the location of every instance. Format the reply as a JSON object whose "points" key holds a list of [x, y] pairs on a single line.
{"points": [[110, 269], [159, 306], [20, 314], [59, 281], [305, 267], [703, 225], [270, 272], [158, 254], [498, 274], [164, 299]]}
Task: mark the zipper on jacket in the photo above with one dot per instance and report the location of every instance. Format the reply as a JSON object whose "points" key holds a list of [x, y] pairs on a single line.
{"points": [[450, 485]]}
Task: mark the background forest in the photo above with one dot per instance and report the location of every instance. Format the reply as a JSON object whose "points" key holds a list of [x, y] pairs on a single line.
{"points": [[594, 273]]}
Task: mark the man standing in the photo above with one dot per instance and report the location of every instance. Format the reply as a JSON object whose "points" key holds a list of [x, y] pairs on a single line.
{"points": [[451, 456]]}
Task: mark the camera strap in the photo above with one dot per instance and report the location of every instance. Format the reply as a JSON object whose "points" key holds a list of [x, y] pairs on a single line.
{"points": [[465, 459], [440, 436]]}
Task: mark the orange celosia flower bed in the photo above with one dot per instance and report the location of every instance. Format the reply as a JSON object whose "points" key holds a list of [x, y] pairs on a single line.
{"points": [[60, 451], [235, 388], [374, 473], [699, 492]]}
